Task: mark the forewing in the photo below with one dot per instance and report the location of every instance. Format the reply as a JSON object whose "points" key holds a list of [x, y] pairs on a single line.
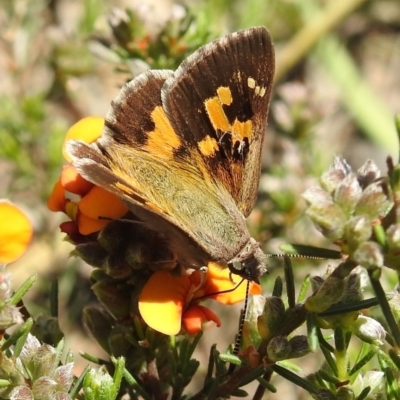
{"points": [[136, 115], [135, 159], [218, 101]]}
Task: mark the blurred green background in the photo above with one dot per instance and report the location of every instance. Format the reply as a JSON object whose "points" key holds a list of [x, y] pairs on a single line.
{"points": [[336, 92]]}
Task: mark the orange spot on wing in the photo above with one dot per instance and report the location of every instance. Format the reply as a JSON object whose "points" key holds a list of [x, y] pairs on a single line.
{"points": [[224, 95], [163, 139], [241, 130], [208, 146], [217, 115]]}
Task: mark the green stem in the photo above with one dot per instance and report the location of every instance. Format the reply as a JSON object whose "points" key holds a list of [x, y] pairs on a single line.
{"points": [[341, 354]]}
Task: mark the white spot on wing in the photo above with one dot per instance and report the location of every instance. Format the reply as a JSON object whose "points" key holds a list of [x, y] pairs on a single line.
{"points": [[251, 83], [258, 90]]}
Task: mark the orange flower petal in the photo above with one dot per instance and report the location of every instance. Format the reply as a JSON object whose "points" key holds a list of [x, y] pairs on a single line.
{"points": [[162, 300], [194, 317], [88, 129], [15, 232], [89, 225], [255, 288], [101, 203], [57, 200], [220, 279], [73, 182]]}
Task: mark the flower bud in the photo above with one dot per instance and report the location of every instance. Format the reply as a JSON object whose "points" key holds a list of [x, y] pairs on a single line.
{"points": [[117, 267], [43, 388], [115, 234], [9, 316], [393, 237], [299, 346], [345, 393], [373, 202], [316, 282], [330, 292], [21, 393], [394, 303], [369, 330], [374, 379], [272, 317], [353, 291], [54, 387], [336, 173], [368, 173], [92, 253], [324, 394], [278, 348], [122, 343], [47, 329], [64, 376], [250, 333], [369, 255], [98, 385], [357, 230], [114, 296], [5, 287], [46, 380], [316, 195], [347, 194], [329, 219]]}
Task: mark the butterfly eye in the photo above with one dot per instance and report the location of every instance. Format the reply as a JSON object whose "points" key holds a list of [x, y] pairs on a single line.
{"points": [[237, 268], [236, 265]]}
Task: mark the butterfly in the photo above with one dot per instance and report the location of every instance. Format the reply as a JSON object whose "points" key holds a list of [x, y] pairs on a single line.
{"points": [[182, 150]]}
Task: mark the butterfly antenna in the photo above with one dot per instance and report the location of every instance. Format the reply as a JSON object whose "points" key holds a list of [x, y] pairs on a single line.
{"points": [[239, 335], [295, 256], [310, 252]]}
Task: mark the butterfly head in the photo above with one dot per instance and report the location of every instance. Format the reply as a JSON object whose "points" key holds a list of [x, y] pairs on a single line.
{"points": [[250, 262]]}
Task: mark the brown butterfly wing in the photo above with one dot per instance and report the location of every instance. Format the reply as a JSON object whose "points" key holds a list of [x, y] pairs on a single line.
{"points": [[218, 102], [135, 160], [183, 149]]}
